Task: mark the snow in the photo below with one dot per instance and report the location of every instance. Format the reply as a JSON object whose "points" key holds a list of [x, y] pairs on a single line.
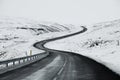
{"points": [[101, 43], [17, 35]]}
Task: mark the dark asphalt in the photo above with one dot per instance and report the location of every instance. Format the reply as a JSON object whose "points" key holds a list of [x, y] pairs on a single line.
{"points": [[73, 66]]}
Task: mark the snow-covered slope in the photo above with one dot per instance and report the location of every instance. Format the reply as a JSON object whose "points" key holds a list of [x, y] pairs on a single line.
{"points": [[101, 42], [17, 35]]}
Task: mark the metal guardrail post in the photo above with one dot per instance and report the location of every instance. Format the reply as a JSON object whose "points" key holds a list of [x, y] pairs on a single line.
{"points": [[13, 63], [19, 61], [23, 60], [30, 58], [27, 59], [6, 64], [33, 57]]}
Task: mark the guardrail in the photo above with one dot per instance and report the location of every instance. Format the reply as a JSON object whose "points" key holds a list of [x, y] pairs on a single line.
{"points": [[12, 64]]}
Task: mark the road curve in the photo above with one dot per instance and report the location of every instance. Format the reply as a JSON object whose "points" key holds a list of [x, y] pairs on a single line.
{"points": [[61, 65]]}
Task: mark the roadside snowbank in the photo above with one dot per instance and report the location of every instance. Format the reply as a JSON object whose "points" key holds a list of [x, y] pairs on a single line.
{"points": [[101, 42]]}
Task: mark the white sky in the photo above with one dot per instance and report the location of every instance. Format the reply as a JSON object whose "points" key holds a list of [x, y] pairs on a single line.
{"points": [[63, 11]]}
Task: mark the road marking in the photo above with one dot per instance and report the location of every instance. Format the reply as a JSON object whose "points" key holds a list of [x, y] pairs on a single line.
{"points": [[60, 71], [41, 73], [55, 78]]}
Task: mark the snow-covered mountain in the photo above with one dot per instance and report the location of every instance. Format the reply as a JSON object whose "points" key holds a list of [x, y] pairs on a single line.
{"points": [[34, 26], [17, 35]]}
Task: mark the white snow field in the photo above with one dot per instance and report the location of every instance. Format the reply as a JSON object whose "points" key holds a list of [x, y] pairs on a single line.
{"points": [[101, 43], [17, 35]]}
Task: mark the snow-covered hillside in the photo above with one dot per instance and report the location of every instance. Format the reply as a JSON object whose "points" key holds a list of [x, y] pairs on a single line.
{"points": [[17, 36], [101, 42]]}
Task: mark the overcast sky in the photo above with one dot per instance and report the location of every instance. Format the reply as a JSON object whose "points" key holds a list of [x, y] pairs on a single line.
{"points": [[63, 11]]}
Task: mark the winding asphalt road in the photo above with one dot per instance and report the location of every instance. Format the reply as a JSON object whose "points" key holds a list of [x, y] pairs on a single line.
{"points": [[61, 65]]}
